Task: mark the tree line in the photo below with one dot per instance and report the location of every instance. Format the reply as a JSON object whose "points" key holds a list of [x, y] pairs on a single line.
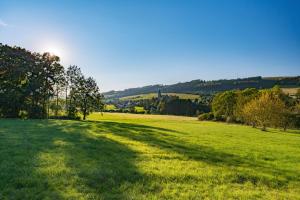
{"points": [[210, 87], [164, 104], [258, 108], [34, 85]]}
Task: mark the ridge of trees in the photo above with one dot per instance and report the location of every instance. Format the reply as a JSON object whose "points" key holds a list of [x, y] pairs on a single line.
{"points": [[209, 87]]}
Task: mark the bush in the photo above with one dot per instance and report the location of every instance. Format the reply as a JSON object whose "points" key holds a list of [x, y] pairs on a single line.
{"points": [[229, 119], [206, 116], [72, 112], [23, 114]]}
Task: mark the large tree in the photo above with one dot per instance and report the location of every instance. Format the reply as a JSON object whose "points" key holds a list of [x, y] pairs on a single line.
{"points": [[30, 82], [243, 97], [266, 110], [224, 104], [84, 95], [88, 97]]}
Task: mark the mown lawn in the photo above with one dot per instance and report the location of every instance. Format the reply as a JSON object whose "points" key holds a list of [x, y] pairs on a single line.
{"points": [[126, 156]]}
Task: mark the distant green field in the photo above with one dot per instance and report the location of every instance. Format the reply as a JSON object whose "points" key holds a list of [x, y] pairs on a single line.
{"points": [[139, 109], [290, 91], [151, 95], [128, 156], [110, 107]]}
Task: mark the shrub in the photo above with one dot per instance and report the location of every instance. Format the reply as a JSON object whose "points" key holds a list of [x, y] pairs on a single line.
{"points": [[23, 114], [206, 116]]}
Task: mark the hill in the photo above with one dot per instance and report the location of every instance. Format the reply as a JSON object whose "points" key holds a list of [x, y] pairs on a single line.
{"points": [[127, 156], [152, 95], [209, 87]]}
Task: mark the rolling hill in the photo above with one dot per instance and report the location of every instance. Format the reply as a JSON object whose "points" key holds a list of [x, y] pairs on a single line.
{"points": [[209, 87], [152, 95]]}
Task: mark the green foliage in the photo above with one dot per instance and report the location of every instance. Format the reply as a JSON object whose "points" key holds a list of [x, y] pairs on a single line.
{"points": [[266, 110], [166, 104], [125, 156], [224, 104], [32, 83], [84, 94], [269, 107], [139, 109], [110, 107], [27, 81], [206, 116], [243, 97]]}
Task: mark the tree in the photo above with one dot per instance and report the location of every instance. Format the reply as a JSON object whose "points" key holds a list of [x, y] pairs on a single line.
{"points": [[243, 97], [26, 81], [223, 105], [74, 78], [88, 97], [159, 94], [265, 110], [31, 84]]}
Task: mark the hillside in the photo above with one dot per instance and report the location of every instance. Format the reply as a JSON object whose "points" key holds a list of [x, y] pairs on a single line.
{"points": [[153, 95], [208, 87]]}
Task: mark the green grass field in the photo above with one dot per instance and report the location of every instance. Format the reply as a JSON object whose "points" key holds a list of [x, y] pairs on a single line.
{"points": [[127, 156], [152, 95], [290, 91]]}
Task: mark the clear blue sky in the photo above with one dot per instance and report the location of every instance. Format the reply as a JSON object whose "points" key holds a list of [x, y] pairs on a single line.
{"points": [[135, 43]]}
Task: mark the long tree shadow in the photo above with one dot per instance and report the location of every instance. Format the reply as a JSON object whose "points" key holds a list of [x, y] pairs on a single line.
{"points": [[65, 160], [59, 160], [272, 176], [20, 144]]}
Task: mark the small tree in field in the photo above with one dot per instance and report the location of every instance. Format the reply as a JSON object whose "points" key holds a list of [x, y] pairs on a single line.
{"points": [[266, 110]]}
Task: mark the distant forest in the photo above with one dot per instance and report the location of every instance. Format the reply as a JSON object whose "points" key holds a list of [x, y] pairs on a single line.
{"points": [[210, 87]]}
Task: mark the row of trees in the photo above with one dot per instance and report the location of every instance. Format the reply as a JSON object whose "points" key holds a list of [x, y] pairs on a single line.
{"points": [[164, 104], [32, 84], [210, 87], [263, 108]]}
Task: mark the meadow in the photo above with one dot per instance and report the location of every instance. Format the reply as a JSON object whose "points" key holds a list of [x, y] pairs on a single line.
{"points": [[128, 156]]}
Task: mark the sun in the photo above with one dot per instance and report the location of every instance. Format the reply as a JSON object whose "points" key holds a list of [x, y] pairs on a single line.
{"points": [[54, 50]]}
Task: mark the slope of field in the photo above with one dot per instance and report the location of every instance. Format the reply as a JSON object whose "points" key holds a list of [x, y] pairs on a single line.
{"points": [[127, 156], [151, 95]]}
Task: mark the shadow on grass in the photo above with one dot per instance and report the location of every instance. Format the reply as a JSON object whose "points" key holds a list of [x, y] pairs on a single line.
{"points": [[59, 160], [62, 160], [268, 175]]}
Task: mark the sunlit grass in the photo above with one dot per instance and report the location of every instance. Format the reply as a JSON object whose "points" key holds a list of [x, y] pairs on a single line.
{"points": [[127, 156]]}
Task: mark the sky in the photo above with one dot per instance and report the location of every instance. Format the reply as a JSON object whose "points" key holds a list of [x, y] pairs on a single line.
{"points": [[124, 44]]}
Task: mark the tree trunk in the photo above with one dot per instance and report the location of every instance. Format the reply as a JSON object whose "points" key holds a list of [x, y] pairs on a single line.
{"points": [[66, 99], [56, 109], [48, 108], [84, 115], [284, 127]]}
